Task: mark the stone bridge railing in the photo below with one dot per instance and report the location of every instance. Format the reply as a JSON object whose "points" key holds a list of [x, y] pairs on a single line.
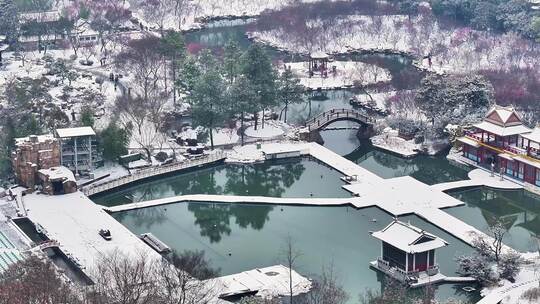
{"points": [[328, 117], [153, 171]]}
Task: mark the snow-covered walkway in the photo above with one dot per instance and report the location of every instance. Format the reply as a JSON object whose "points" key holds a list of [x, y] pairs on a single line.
{"points": [[479, 178], [513, 291], [208, 198], [397, 196]]}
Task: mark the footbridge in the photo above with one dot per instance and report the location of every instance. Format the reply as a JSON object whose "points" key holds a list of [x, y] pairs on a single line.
{"points": [[324, 119]]}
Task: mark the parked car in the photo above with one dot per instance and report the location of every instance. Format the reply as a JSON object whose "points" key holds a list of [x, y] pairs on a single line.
{"points": [[106, 234]]}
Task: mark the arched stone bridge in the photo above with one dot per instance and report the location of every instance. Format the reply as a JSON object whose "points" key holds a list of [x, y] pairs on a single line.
{"points": [[324, 119]]}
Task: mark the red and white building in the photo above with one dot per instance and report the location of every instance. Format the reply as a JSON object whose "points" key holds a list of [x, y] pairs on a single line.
{"points": [[501, 142]]}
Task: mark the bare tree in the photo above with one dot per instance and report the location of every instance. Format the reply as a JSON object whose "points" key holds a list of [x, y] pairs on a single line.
{"points": [[88, 49], [141, 59], [326, 289], [156, 11], [34, 280], [188, 279], [290, 255], [145, 107], [143, 118], [125, 279], [491, 247]]}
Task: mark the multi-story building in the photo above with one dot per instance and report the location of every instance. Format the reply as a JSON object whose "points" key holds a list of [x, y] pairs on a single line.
{"points": [[78, 149], [503, 144]]}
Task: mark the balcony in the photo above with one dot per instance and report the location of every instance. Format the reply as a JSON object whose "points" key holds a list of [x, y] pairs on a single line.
{"points": [[501, 147]]}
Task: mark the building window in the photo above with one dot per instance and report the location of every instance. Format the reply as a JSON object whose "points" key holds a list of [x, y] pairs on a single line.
{"points": [[537, 177], [471, 153], [521, 170], [510, 168]]}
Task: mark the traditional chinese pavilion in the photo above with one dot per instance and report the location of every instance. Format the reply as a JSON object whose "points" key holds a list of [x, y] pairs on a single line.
{"points": [[408, 253], [318, 63], [501, 142]]}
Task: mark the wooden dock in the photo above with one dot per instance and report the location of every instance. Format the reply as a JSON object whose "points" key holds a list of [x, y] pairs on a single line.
{"points": [[156, 244]]}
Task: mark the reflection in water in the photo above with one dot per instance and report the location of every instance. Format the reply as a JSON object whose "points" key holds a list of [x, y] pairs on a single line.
{"points": [[297, 177], [238, 237], [518, 211], [314, 105], [214, 219], [428, 169]]}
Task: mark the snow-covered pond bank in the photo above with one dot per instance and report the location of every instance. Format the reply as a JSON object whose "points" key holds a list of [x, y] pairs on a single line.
{"points": [[448, 49], [236, 237]]}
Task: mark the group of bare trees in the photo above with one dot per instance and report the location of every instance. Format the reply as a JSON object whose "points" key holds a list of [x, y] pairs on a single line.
{"points": [[139, 280], [490, 251], [142, 107], [165, 14], [118, 278]]}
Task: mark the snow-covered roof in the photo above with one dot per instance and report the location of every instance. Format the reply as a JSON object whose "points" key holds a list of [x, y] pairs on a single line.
{"points": [[75, 132], [74, 221], [319, 55], [533, 136], [527, 161], [269, 281], [409, 238], [503, 116], [56, 173], [40, 138], [501, 130], [469, 141], [506, 156], [40, 16]]}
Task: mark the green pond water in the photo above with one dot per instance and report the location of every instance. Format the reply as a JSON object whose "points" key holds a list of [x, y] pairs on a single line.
{"points": [[298, 177], [240, 237], [518, 211]]}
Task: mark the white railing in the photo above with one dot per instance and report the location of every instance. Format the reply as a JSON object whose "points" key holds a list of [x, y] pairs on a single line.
{"points": [[153, 171]]}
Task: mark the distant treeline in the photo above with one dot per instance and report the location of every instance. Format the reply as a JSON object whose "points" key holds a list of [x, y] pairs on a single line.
{"points": [[499, 15]]}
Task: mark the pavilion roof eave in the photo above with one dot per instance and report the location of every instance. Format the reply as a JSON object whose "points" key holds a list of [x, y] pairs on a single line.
{"points": [[502, 131], [468, 141], [534, 136], [404, 237], [319, 55]]}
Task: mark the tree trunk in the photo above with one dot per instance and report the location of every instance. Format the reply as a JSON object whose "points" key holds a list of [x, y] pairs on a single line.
{"points": [[148, 154], [174, 79], [242, 129], [256, 120], [211, 139], [286, 109], [262, 121]]}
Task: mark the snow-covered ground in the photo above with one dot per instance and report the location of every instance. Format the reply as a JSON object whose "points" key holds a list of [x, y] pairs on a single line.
{"points": [[347, 74], [390, 141], [378, 100], [193, 13], [458, 49], [85, 83], [271, 129], [224, 136]]}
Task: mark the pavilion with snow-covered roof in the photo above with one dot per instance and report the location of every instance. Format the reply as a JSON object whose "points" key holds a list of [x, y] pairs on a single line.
{"points": [[407, 252], [501, 142], [318, 63]]}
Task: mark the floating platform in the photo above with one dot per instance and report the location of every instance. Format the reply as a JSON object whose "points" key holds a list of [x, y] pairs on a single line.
{"points": [[156, 244], [422, 278]]}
